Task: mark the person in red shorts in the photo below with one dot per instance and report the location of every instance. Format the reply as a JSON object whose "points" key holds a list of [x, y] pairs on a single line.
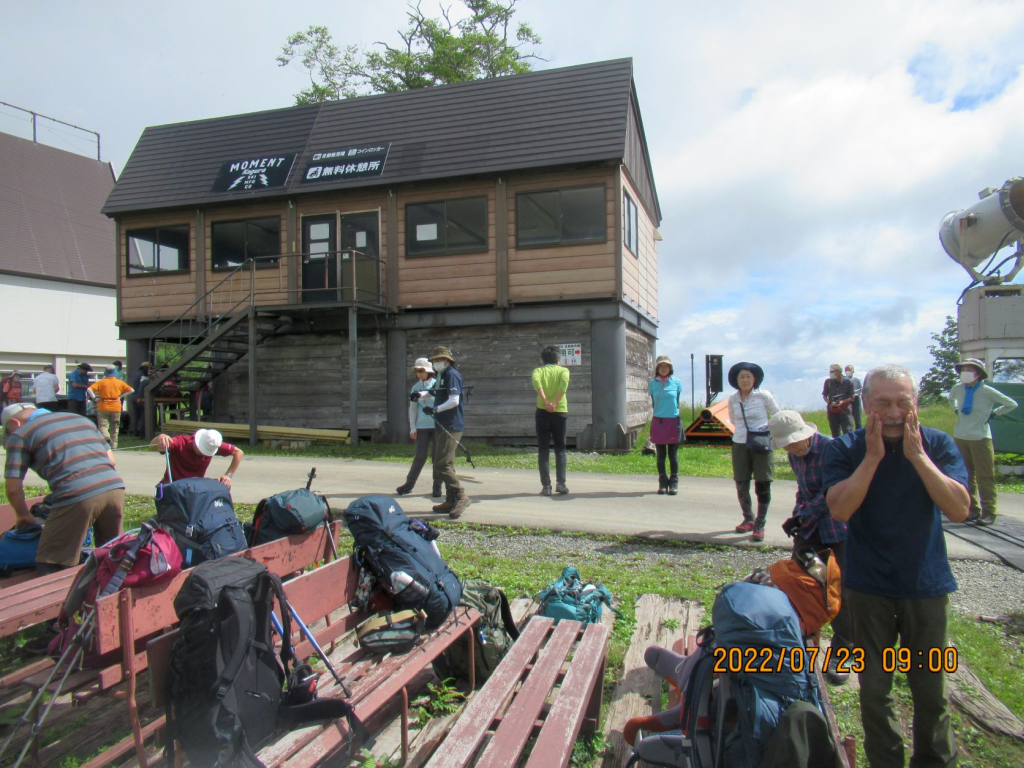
{"points": [[190, 455]]}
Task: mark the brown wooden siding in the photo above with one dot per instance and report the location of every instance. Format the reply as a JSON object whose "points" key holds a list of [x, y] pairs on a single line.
{"points": [[640, 270], [639, 368], [447, 281], [564, 272], [155, 297]]}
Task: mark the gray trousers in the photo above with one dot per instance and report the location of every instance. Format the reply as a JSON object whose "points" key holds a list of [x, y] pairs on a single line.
{"points": [[424, 448]]}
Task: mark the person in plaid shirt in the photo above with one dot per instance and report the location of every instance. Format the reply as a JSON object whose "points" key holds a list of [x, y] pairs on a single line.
{"points": [[812, 525]]}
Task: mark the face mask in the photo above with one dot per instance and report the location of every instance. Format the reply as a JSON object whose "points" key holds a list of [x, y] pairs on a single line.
{"points": [[849, 374], [440, 365], [967, 377]]}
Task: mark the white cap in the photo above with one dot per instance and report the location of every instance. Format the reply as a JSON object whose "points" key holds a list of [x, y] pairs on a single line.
{"points": [[12, 409], [208, 441]]}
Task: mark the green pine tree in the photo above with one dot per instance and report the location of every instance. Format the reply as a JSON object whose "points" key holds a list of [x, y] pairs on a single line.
{"points": [[945, 354]]}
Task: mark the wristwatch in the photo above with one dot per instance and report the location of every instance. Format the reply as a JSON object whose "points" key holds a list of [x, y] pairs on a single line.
{"points": [[229, 474]]}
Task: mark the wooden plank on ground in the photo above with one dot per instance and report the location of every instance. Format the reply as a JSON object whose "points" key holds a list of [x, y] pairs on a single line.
{"points": [[659, 621], [971, 697], [263, 432]]}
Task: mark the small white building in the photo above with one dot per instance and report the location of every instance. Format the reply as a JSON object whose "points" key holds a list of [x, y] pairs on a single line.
{"points": [[57, 268]]}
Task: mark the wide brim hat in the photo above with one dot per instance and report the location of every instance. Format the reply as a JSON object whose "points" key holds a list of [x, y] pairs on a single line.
{"points": [[664, 359], [441, 353], [422, 364], [789, 427], [754, 368], [208, 441], [979, 364]]}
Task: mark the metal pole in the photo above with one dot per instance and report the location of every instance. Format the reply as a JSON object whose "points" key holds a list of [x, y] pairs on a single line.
{"points": [[353, 374], [253, 420], [33, 126], [693, 405]]}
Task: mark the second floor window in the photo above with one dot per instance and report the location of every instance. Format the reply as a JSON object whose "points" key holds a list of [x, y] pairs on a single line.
{"points": [[561, 217], [158, 250], [446, 227], [236, 241], [629, 223]]}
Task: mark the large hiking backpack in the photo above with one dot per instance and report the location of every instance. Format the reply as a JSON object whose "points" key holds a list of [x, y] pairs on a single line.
{"points": [[569, 598], [198, 512], [18, 546], [224, 682], [152, 561], [287, 514], [728, 721], [494, 638], [408, 565]]}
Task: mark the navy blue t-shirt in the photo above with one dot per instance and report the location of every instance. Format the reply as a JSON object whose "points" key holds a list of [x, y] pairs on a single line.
{"points": [[896, 547], [450, 383]]}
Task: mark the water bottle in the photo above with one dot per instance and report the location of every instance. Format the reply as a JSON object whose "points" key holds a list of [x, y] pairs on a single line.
{"points": [[402, 581]]}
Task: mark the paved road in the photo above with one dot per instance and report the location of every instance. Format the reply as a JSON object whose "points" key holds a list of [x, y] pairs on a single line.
{"points": [[705, 509]]}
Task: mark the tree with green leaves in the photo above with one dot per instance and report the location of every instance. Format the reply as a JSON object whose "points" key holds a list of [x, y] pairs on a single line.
{"points": [[1009, 369], [945, 354], [434, 51]]}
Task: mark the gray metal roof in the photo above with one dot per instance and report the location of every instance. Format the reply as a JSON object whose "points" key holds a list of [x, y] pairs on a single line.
{"points": [[540, 119], [51, 224]]}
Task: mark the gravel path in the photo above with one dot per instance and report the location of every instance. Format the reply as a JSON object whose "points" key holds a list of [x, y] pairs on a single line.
{"points": [[988, 589]]}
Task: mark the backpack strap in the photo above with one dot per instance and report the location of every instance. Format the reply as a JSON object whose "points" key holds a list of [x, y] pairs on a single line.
{"points": [[287, 652], [237, 600]]}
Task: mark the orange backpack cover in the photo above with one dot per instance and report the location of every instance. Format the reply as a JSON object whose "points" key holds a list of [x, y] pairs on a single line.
{"points": [[815, 605]]}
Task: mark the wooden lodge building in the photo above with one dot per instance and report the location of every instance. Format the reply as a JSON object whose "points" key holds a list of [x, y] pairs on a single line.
{"points": [[287, 249]]}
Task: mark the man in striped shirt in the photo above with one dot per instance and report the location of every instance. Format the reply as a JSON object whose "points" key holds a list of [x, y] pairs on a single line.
{"points": [[69, 453]]}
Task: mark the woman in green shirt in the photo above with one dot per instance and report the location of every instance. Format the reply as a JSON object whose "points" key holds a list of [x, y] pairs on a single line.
{"points": [[551, 381]]}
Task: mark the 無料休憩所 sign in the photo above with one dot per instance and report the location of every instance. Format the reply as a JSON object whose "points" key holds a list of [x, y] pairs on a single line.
{"points": [[347, 163]]}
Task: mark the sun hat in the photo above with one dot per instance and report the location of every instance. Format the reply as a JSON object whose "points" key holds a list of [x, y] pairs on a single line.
{"points": [[835, 367], [664, 359], [422, 364], [208, 441], [85, 366], [788, 427], [441, 353], [12, 409], [979, 364], [754, 368]]}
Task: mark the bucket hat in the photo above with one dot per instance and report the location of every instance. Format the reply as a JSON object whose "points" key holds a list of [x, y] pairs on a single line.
{"points": [[664, 359], [422, 364], [754, 368], [789, 427], [979, 364], [835, 367], [441, 353], [208, 441]]}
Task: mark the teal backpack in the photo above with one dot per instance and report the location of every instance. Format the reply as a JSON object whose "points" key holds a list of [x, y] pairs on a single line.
{"points": [[569, 598]]}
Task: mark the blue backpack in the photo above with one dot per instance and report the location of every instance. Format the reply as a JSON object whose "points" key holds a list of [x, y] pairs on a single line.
{"points": [[18, 548], [758, 624], [198, 513], [569, 598]]}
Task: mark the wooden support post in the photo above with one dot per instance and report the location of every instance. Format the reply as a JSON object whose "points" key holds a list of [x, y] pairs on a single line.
{"points": [[253, 421], [149, 414], [353, 376]]}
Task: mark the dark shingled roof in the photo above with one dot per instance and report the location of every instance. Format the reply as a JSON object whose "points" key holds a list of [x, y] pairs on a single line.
{"points": [[51, 224], [553, 117]]}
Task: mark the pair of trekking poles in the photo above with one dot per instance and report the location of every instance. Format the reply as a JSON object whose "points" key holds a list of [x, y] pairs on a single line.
{"points": [[419, 404]]}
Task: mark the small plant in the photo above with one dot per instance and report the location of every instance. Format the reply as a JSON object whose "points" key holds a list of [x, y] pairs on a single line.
{"points": [[670, 624], [443, 699], [586, 751], [369, 761]]}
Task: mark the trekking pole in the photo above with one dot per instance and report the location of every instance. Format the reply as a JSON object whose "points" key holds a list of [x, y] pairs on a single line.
{"points": [[319, 650], [311, 478], [465, 450]]}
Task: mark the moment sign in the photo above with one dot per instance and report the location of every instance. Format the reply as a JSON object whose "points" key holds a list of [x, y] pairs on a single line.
{"points": [[253, 173]]}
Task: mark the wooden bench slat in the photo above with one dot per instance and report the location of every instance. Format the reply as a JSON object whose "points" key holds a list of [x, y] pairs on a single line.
{"points": [[517, 723], [472, 726], [558, 736]]}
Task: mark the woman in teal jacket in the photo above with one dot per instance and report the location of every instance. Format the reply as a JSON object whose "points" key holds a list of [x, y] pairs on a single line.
{"points": [[421, 427], [665, 391]]}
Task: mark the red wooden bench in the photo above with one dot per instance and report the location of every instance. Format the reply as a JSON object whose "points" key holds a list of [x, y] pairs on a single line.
{"points": [[374, 682], [126, 620], [515, 714]]}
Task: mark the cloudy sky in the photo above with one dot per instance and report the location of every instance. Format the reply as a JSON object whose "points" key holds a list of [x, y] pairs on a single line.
{"points": [[804, 152]]}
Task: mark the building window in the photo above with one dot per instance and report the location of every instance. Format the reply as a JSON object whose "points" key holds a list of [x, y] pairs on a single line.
{"points": [[561, 217], [161, 250], [236, 241], [446, 227], [629, 223]]}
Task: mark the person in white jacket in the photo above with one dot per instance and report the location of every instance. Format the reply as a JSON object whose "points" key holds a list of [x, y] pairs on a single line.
{"points": [[749, 410], [976, 403], [421, 426]]}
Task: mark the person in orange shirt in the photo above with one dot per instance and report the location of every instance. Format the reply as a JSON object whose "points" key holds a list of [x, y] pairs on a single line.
{"points": [[109, 391]]}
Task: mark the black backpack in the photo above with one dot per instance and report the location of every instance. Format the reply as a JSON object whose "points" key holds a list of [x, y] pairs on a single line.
{"points": [[198, 512], [224, 683], [408, 565], [287, 514]]}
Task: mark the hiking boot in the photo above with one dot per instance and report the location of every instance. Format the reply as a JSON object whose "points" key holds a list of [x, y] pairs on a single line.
{"points": [[403, 489], [673, 485], [662, 485], [436, 491], [445, 506], [561, 488], [461, 502], [758, 534], [745, 527], [973, 518], [545, 491], [987, 519], [833, 674]]}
